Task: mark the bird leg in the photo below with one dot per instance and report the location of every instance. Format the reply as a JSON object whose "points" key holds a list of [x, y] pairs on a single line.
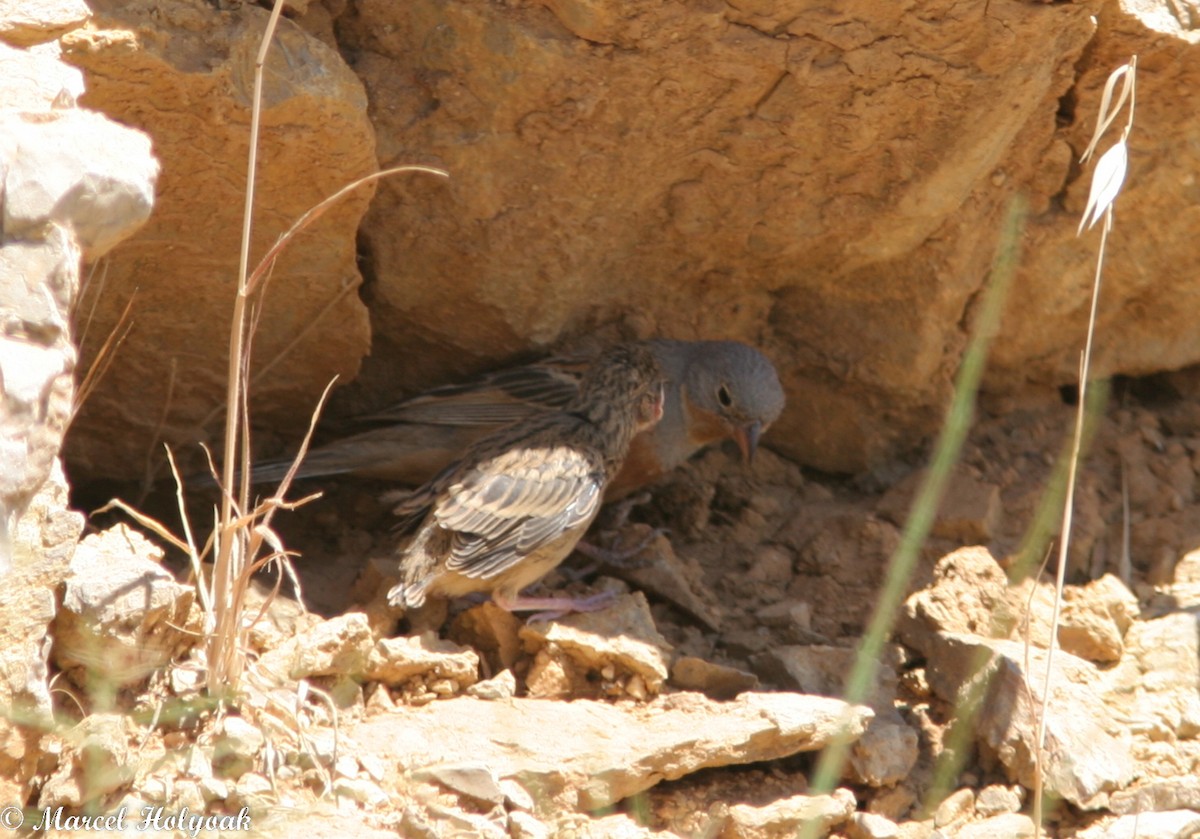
{"points": [[552, 607], [618, 557]]}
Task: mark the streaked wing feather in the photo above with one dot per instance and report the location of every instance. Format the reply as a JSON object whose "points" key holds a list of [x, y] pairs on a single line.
{"points": [[499, 398], [515, 503]]}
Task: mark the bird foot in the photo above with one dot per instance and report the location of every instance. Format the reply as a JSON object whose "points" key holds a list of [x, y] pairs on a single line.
{"points": [[553, 607]]}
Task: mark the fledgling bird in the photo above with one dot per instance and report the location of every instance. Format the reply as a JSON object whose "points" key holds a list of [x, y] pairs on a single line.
{"points": [[514, 506], [715, 390]]}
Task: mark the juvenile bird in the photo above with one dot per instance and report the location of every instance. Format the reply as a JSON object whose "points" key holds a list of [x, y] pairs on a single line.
{"points": [[715, 390], [515, 505]]}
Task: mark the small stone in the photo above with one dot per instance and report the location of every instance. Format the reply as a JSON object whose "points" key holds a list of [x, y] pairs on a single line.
{"points": [[894, 803], [213, 789], [524, 826], [360, 790], [1171, 824], [887, 751], [373, 766], [253, 790], [501, 686], [552, 676], [871, 826], [714, 680], [490, 630], [957, 806], [473, 780], [236, 748], [622, 636], [996, 799], [516, 795], [1007, 826], [395, 661], [773, 564], [788, 815]]}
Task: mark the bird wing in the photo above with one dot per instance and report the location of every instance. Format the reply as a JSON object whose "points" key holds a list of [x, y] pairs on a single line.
{"points": [[513, 504], [499, 398]]}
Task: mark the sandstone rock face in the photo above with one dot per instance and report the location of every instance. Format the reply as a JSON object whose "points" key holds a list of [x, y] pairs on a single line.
{"points": [[184, 73], [824, 183]]}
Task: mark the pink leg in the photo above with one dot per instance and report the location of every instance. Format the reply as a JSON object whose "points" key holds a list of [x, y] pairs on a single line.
{"points": [[548, 608]]}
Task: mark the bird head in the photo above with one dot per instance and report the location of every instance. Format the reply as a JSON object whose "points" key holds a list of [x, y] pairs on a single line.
{"points": [[731, 392]]}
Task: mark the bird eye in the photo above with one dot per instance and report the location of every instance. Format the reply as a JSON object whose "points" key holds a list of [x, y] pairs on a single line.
{"points": [[723, 396]]}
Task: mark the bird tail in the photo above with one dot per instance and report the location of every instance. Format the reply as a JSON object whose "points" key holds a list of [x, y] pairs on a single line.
{"points": [[408, 595]]}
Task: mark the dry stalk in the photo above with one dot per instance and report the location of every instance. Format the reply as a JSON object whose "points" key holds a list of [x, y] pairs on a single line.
{"points": [[1107, 180]]}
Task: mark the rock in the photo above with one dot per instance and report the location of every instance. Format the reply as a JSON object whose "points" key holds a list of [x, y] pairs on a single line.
{"points": [[98, 761], [970, 511], [1161, 676], [772, 566], [525, 826], [957, 806], [501, 686], [659, 571], [871, 826], [334, 647], [1007, 826], [102, 191], [35, 23], [395, 661], [197, 61], [360, 790], [470, 779], [887, 751], [524, 138], [967, 589], [123, 615], [1171, 824], [715, 681], [615, 826], [995, 799], [451, 821], [621, 638], [45, 538], [1173, 794], [606, 752], [1085, 758], [237, 747], [491, 631], [784, 818], [1095, 618], [253, 791]]}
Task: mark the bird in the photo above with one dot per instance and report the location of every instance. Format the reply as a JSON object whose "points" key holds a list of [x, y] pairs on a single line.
{"points": [[715, 391], [517, 502]]}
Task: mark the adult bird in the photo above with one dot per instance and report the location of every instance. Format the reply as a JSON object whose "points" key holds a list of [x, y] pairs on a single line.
{"points": [[516, 503], [715, 391]]}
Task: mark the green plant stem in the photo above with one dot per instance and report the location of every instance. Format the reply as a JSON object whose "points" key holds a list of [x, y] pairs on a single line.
{"points": [[920, 520]]}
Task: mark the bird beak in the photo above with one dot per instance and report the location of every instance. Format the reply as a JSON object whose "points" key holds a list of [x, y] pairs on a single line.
{"points": [[747, 440]]}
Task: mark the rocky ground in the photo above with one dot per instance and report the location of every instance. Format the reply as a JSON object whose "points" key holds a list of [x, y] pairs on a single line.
{"points": [[694, 706]]}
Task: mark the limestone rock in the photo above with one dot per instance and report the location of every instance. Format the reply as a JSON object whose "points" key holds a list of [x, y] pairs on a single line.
{"points": [[473, 780], [784, 818], [1171, 824], [871, 826], [34, 23], [587, 755], [995, 799], [1086, 759], [1182, 792], [123, 615], [237, 747], [618, 642], [101, 191], [501, 686], [397, 660], [338, 646], [1006, 826], [96, 761], [195, 63], [968, 585], [715, 681]]}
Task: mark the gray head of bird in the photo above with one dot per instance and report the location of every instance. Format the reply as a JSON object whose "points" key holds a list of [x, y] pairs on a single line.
{"points": [[732, 392]]}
